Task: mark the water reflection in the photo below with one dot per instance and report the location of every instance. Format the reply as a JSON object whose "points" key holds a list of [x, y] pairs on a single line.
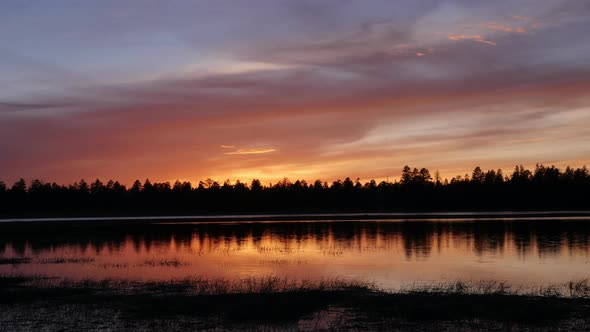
{"points": [[388, 253]]}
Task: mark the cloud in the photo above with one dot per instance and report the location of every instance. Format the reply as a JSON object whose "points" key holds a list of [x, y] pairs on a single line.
{"points": [[521, 18], [500, 27], [6, 107], [475, 38], [251, 151]]}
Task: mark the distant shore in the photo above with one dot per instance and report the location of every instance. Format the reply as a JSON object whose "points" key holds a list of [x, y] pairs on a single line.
{"points": [[388, 216], [541, 189]]}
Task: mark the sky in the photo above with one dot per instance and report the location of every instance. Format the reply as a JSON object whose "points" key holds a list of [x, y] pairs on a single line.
{"points": [[302, 89]]}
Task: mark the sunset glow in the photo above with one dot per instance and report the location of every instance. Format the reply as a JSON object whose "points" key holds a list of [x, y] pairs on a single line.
{"points": [[297, 89]]}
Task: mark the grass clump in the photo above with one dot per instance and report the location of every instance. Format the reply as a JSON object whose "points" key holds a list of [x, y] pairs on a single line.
{"points": [[579, 288], [67, 260], [459, 287], [571, 289], [166, 263], [201, 285], [15, 260]]}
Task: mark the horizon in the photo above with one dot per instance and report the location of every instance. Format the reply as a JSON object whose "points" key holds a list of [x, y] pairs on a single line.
{"points": [[468, 176], [290, 89], [507, 171]]}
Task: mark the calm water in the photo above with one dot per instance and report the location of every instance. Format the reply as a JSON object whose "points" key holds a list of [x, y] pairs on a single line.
{"points": [[533, 250]]}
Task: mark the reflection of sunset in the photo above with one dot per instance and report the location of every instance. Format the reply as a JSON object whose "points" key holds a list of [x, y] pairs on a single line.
{"points": [[388, 253]]}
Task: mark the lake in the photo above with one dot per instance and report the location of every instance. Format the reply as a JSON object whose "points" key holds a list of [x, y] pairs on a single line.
{"points": [[392, 251]]}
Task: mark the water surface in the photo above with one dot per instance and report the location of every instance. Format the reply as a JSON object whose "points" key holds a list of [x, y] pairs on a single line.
{"points": [[390, 252]]}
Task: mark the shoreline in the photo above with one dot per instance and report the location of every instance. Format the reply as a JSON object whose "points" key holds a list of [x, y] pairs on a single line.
{"points": [[308, 217]]}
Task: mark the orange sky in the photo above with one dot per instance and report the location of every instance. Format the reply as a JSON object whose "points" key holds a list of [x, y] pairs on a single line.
{"points": [[283, 89]]}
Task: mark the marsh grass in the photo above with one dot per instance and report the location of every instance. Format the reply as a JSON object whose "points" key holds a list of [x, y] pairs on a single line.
{"points": [[113, 265], [277, 250], [18, 279], [202, 285], [571, 289], [165, 263], [326, 304], [54, 260], [281, 261], [460, 287], [15, 260], [579, 288], [67, 260], [333, 252]]}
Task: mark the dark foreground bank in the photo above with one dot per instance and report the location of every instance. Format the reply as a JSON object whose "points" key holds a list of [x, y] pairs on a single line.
{"points": [[269, 304]]}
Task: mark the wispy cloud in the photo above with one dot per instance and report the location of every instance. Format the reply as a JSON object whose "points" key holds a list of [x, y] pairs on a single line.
{"points": [[521, 18], [500, 27], [475, 38], [508, 28], [251, 151]]}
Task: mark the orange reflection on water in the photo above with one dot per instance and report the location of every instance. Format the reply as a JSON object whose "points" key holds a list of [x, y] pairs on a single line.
{"points": [[387, 253]]}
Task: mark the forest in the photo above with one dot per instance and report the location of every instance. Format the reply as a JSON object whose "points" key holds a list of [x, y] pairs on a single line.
{"points": [[544, 188]]}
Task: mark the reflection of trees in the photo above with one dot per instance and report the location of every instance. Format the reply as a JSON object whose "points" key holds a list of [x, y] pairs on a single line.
{"points": [[488, 237], [549, 242], [418, 239], [522, 236]]}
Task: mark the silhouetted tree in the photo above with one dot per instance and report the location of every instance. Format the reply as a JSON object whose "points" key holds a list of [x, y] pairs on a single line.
{"points": [[147, 186], [256, 185], [406, 175], [581, 175], [424, 176], [544, 188], [284, 183], [499, 177], [336, 185], [240, 187], [83, 187], [347, 185], [136, 187], [437, 179], [357, 184], [36, 186], [568, 175], [19, 186], [489, 178], [227, 185], [96, 187], [477, 176], [520, 175], [318, 185], [371, 185]]}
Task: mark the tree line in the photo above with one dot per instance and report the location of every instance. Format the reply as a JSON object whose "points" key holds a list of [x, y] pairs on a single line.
{"points": [[547, 188]]}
